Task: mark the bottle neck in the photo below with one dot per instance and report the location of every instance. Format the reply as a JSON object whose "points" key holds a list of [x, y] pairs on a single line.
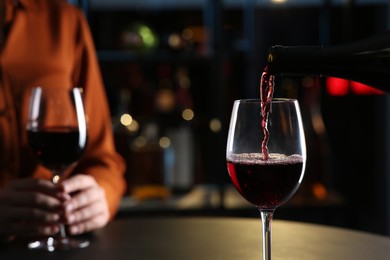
{"points": [[303, 60], [366, 61], [295, 60]]}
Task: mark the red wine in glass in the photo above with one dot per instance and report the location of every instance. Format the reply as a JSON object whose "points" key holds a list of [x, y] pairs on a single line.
{"points": [[266, 183], [57, 147]]}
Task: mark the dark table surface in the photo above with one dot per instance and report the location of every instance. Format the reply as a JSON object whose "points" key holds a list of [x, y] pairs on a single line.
{"points": [[215, 238]]}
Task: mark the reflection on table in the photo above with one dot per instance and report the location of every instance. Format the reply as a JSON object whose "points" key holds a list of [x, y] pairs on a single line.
{"points": [[216, 238]]}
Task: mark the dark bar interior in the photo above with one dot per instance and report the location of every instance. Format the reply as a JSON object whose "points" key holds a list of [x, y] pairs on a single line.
{"points": [[172, 70]]}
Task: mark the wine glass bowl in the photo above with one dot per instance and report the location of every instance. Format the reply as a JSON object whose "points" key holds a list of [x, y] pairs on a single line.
{"points": [[266, 180], [57, 135]]}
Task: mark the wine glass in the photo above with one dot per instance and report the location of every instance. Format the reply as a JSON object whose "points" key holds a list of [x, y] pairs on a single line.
{"points": [[57, 135], [266, 156]]}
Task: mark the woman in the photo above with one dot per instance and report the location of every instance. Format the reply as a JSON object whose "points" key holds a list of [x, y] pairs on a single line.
{"points": [[48, 43]]}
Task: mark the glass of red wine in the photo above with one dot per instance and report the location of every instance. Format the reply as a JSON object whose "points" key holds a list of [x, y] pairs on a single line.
{"points": [[57, 135], [266, 155]]}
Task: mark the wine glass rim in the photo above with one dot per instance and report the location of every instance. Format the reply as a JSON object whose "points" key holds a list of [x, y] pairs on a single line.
{"points": [[274, 100]]}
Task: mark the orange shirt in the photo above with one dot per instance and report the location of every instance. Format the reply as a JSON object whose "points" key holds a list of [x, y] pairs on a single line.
{"points": [[49, 44]]}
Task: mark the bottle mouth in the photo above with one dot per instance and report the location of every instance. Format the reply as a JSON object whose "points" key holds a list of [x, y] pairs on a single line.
{"points": [[292, 60], [270, 58]]}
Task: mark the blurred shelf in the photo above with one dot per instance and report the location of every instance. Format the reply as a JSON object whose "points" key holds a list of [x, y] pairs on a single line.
{"points": [[185, 4], [157, 56]]}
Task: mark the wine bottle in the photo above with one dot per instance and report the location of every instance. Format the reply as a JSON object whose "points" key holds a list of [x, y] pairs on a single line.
{"points": [[366, 61]]}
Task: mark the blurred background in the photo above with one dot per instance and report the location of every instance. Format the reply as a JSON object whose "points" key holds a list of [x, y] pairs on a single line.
{"points": [[172, 69]]}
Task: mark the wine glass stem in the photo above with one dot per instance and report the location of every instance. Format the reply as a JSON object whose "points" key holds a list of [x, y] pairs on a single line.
{"points": [[62, 231], [266, 220], [56, 180]]}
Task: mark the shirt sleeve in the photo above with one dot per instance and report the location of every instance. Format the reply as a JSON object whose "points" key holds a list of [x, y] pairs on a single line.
{"points": [[101, 159]]}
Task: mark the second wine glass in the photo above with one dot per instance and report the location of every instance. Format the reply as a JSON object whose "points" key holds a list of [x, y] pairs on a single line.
{"points": [[57, 135]]}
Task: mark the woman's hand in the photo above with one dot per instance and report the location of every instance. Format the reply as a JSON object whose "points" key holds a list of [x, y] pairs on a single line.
{"points": [[87, 209], [30, 207]]}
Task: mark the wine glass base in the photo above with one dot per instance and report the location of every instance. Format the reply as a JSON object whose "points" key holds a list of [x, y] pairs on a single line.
{"points": [[52, 244]]}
